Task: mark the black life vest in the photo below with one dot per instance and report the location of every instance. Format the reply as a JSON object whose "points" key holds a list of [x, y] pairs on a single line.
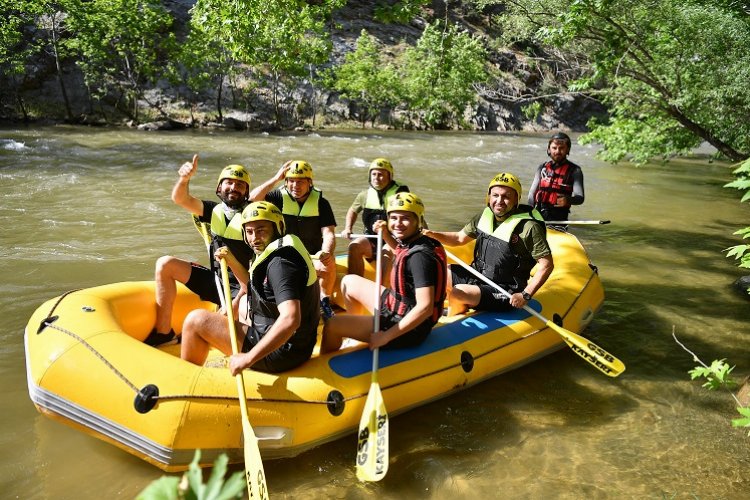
{"points": [[554, 180], [303, 221], [401, 297], [264, 313], [374, 209], [494, 256]]}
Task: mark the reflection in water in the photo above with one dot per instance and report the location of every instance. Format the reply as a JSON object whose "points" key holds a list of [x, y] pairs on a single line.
{"points": [[83, 207]]}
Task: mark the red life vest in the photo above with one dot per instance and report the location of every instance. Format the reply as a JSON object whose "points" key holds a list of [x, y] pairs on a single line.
{"points": [[402, 295], [553, 181]]}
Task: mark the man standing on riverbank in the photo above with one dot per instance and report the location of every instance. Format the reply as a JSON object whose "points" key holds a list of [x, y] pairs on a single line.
{"points": [[558, 183], [510, 241], [371, 202], [233, 188], [308, 215]]}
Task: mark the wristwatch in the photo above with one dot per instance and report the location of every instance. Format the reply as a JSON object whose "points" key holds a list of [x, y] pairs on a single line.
{"points": [[525, 296]]}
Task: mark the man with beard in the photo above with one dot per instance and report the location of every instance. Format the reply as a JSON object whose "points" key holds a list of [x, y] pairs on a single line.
{"points": [[308, 215], [558, 183], [371, 202], [233, 188], [278, 312], [511, 239]]}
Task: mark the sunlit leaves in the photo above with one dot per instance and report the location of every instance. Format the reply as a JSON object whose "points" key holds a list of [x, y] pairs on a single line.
{"points": [[745, 420], [717, 375]]}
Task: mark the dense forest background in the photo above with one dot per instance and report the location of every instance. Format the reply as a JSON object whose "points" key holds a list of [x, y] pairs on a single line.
{"points": [[645, 78]]}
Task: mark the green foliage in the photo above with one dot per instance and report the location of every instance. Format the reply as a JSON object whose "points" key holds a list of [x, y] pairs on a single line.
{"points": [[717, 375], [120, 45], [532, 111], [438, 74], [679, 66], [745, 420], [401, 12], [367, 77], [741, 253], [191, 485]]}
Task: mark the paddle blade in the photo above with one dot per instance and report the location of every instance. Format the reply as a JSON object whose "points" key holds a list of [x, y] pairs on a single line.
{"points": [[254, 473], [372, 446], [601, 359]]}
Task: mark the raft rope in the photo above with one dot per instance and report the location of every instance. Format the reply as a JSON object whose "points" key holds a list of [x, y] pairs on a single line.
{"points": [[174, 397]]}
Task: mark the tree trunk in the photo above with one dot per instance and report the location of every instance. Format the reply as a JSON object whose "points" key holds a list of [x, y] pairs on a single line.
{"points": [[701, 132]]}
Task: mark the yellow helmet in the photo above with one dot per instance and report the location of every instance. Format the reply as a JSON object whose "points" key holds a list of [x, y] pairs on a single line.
{"points": [[382, 164], [263, 210], [299, 169], [237, 172], [408, 202], [506, 179]]}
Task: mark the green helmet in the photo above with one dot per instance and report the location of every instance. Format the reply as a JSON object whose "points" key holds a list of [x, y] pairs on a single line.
{"points": [[263, 210]]}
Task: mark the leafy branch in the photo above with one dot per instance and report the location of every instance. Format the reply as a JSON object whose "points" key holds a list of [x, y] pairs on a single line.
{"points": [[717, 376]]}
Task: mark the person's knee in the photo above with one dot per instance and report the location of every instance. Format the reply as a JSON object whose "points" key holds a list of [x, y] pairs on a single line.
{"points": [[166, 265], [195, 322]]}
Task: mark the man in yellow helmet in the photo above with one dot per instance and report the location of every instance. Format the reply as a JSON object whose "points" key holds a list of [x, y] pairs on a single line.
{"points": [[413, 303], [511, 239], [308, 215], [232, 188], [371, 202], [279, 313]]}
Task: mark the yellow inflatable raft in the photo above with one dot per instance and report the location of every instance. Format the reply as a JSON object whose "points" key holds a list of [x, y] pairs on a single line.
{"points": [[88, 367]]}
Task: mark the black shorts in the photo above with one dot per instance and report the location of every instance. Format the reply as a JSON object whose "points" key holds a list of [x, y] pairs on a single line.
{"points": [[282, 359], [490, 299], [203, 284], [411, 338]]}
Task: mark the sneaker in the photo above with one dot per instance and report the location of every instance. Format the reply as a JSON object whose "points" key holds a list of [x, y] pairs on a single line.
{"points": [[326, 311], [156, 339]]}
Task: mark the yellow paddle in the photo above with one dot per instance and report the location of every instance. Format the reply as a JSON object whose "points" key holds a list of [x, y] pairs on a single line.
{"points": [[601, 359], [256, 478], [372, 444]]}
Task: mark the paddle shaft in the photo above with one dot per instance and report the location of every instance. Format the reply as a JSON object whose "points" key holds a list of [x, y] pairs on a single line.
{"points": [[601, 359], [254, 474], [372, 442], [577, 222]]}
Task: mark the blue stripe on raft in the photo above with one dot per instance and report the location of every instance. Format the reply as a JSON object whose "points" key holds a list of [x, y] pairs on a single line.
{"points": [[353, 364]]}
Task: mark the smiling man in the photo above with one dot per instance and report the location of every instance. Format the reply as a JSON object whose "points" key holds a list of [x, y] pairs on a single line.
{"points": [[232, 188], [308, 215], [414, 302], [278, 313], [511, 239]]}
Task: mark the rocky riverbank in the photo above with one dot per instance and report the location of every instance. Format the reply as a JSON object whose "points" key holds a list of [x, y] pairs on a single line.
{"points": [[499, 105]]}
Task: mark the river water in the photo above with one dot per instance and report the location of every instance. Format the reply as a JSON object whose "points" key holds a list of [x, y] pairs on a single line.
{"points": [[83, 207]]}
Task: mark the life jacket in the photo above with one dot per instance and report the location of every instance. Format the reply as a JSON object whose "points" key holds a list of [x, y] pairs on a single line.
{"points": [[264, 313], [553, 181], [303, 221], [494, 256], [229, 235], [401, 297], [374, 209]]}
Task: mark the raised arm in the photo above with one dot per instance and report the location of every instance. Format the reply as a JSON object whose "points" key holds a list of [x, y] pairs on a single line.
{"points": [[181, 190], [260, 192]]}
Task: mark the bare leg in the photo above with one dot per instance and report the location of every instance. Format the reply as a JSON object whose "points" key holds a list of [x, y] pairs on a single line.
{"points": [[359, 250], [462, 297], [326, 277], [353, 326], [169, 270], [202, 330]]}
